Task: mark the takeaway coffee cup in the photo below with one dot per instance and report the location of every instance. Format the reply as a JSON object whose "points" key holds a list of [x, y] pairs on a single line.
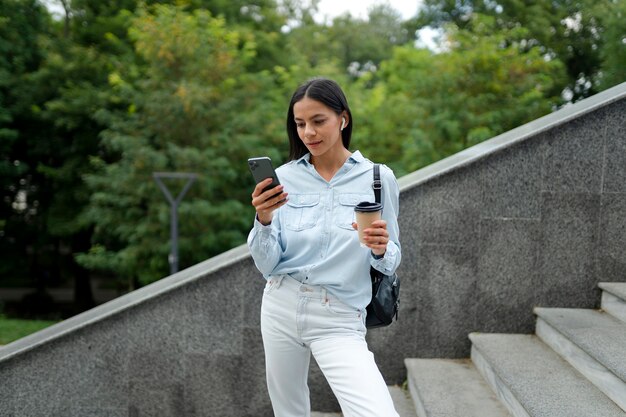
{"points": [[366, 213]]}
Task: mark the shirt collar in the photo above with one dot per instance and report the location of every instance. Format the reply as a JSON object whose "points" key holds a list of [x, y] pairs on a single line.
{"points": [[355, 157], [304, 159]]}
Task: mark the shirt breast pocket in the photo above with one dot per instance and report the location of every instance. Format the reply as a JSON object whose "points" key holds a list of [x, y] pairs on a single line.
{"points": [[345, 208], [302, 211]]}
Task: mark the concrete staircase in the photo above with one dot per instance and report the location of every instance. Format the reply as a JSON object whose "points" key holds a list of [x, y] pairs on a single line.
{"points": [[574, 366]]}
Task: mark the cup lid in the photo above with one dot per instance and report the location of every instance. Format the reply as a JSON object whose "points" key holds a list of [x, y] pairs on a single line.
{"points": [[368, 207]]}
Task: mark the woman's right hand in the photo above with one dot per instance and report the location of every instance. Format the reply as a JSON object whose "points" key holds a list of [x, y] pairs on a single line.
{"points": [[266, 202]]}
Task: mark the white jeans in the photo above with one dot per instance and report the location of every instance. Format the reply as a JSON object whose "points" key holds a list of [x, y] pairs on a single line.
{"points": [[299, 319]]}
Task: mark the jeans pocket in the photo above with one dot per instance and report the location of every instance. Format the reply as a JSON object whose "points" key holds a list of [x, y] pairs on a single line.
{"points": [[336, 307], [272, 284]]}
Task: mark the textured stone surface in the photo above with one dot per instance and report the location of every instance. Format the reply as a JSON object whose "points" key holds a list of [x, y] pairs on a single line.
{"points": [[447, 209], [448, 302], [585, 361], [162, 399], [401, 337], [8, 393], [527, 376], [512, 182], [156, 337], [214, 316], [614, 305], [616, 288], [252, 284], [256, 401], [208, 395], [96, 412], [87, 370], [611, 253], [102, 353], [567, 250], [615, 154], [598, 334], [614, 299], [573, 155], [507, 275], [451, 387], [402, 401]]}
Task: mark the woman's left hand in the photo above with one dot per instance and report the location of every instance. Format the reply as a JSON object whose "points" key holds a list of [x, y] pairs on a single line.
{"points": [[376, 236]]}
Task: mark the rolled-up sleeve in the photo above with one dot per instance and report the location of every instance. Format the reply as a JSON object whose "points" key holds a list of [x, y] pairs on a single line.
{"points": [[264, 246]]}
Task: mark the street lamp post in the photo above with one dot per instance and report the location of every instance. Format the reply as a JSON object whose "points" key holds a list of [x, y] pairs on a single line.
{"points": [[174, 202]]}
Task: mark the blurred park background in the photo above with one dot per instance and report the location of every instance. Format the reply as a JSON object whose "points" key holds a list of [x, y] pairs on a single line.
{"points": [[96, 96]]}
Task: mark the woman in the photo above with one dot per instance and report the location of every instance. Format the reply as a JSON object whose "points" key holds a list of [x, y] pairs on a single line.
{"points": [[305, 243]]}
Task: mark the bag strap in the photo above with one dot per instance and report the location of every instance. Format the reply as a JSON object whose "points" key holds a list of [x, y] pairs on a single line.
{"points": [[377, 185]]}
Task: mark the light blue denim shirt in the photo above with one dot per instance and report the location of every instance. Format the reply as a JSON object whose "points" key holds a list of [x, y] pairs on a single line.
{"points": [[311, 237]]}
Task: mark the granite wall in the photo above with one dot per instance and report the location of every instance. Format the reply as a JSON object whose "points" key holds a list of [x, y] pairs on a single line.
{"points": [[534, 217]]}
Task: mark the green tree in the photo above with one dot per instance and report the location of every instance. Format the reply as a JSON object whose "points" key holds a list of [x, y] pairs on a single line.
{"points": [[73, 87], [355, 45], [190, 107], [260, 19], [364, 44], [565, 30], [431, 105], [613, 52], [54, 99], [22, 23]]}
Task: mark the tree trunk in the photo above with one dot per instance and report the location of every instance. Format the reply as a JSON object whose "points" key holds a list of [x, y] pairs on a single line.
{"points": [[83, 293], [66, 29]]}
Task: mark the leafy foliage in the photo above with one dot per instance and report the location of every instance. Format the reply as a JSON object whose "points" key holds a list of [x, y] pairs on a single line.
{"points": [[21, 25], [567, 30], [433, 105], [613, 52], [185, 108]]}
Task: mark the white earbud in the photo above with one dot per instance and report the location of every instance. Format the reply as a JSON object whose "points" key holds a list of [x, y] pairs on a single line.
{"points": [[343, 122]]}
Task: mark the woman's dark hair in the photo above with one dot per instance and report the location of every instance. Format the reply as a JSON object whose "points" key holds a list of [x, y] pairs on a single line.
{"points": [[326, 92]]}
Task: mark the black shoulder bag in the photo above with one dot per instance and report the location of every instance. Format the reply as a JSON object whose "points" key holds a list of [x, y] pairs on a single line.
{"points": [[385, 288]]}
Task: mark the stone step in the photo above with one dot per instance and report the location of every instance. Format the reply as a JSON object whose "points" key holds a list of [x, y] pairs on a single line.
{"points": [[614, 299], [451, 388], [401, 400], [532, 380], [592, 341]]}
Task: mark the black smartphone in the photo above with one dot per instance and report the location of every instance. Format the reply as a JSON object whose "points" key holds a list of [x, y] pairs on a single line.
{"points": [[261, 169]]}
